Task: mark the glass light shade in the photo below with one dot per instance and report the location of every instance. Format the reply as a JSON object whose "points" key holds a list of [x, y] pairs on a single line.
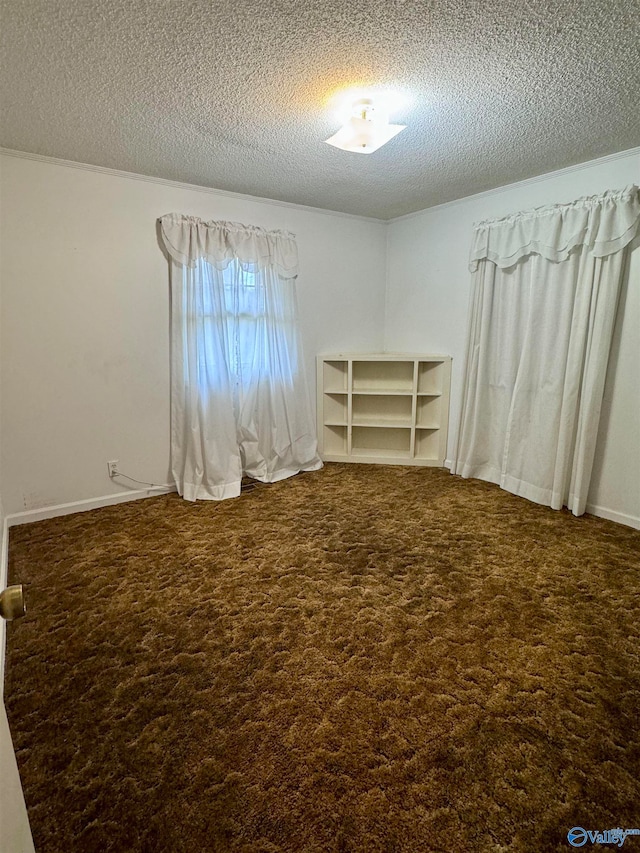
{"points": [[364, 136]]}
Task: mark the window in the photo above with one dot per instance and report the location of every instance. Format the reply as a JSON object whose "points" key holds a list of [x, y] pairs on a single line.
{"points": [[256, 324], [239, 398]]}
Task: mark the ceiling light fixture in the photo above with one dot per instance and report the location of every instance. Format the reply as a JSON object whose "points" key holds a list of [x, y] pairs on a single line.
{"points": [[367, 129]]}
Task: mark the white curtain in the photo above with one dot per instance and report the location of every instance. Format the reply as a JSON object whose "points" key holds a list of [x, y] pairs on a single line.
{"points": [[544, 297], [239, 397]]}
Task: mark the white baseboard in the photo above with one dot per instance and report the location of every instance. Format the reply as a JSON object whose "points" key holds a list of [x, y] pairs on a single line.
{"points": [[593, 509], [612, 515], [82, 506]]}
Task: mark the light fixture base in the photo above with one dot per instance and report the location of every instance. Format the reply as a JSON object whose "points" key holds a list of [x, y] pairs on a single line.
{"points": [[367, 130], [363, 136]]}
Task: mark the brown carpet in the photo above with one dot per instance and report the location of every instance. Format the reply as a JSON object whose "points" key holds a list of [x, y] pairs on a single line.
{"points": [[359, 659]]}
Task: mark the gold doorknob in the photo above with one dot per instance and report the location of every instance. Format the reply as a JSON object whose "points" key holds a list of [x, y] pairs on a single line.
{"points": [[12, 604]]}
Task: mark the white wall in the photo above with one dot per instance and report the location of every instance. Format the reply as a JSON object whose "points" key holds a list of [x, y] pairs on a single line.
{"points": [[427, 307], [84, 353], [85, 316]]}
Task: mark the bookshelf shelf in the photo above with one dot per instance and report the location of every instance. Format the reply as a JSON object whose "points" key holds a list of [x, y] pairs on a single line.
{"points": [[384, 408]]}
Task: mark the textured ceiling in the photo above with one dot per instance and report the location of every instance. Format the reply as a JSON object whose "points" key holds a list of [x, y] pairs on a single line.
{"points": [[235, 95]]}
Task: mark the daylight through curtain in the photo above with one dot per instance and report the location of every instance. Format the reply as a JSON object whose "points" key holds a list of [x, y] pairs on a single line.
{"points": [[239, 398]]}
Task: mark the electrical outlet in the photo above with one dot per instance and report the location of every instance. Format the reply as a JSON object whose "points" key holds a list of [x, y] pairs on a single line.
{"points": [[112, 467]]}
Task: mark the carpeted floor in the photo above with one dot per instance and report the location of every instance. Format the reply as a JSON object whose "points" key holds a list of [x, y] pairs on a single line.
{"points": [[371, 659]]}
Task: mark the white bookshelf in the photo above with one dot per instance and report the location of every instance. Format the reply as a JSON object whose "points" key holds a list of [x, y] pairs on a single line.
{"points": [[387, 408]]}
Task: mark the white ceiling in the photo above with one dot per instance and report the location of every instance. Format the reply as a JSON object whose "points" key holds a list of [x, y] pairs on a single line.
{"points": [[234, 95]]}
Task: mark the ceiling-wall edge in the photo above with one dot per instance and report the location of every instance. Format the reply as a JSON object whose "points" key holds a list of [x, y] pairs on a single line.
{"points": [[106, 170], [151, 179], [608, 158]]}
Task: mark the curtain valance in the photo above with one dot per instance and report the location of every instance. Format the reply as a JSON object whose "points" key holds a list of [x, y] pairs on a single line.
{"points": [[189, 239], [603, 224]]}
